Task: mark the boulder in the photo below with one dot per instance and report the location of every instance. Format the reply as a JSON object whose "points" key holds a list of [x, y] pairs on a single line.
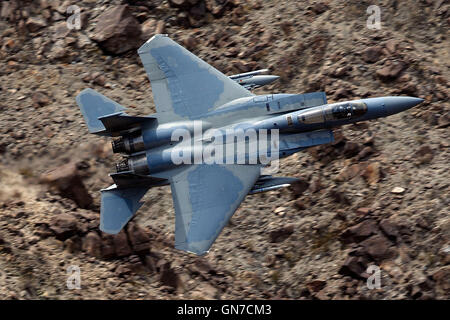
{"points": [[139, 240], [218, 7], [298, 187], [281, 234], [377, 247], [372, 54], [355, 267], [359, 232], [424, 155], [316, 285], [92, 244], [167, 275], [121, 246], [117, 31], [35, 24], [372, 173], [69, 184], [64, 226], [391, 71]]}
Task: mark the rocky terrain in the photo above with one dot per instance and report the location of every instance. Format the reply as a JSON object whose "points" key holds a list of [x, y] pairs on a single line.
{"points": [[379, 195]]}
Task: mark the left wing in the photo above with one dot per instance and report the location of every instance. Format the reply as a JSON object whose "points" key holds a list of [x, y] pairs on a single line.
{"points": [[183, 85], [205, 197]]}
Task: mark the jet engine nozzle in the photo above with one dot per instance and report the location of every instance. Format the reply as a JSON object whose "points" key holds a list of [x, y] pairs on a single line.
{"points": [[122, 166], [118, 145], [137, 165], [128, 144]]}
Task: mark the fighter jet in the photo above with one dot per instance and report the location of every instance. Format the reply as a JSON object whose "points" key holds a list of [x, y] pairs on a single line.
{"points": [[205, 140]]}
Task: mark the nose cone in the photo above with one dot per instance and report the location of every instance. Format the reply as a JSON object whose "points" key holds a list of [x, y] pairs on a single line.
{"points": [[398, 104]]}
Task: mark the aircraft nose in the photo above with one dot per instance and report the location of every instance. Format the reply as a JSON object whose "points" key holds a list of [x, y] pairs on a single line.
{"points": [[398, 104]]}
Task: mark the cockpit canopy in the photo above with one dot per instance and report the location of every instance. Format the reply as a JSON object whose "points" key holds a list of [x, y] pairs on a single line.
{"points": [[334, 112], [346, 110]]}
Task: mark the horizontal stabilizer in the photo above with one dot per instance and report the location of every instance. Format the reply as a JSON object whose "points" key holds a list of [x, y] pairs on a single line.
{"points": [[129, 179], [120, 121], [119, 206], [93, 106]]}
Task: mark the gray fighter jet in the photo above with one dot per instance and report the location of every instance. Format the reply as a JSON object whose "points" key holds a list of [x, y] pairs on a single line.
{"points": [[210, 140]]}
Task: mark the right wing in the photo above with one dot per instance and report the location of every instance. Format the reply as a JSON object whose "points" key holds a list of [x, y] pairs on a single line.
{"points": [[205, 197], [184, 86]]}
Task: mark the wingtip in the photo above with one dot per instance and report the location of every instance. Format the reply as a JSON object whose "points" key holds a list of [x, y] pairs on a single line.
{"points": [[143, 48]]}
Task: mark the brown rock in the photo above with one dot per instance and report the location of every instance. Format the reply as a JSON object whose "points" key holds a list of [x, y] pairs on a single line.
{"points": [[298, 187], [69, 184], [424, 155], [320, 7], [391, 72], [135, 263], [377, 247], [160, 27], [100, 80], [279, 235], [108, 249], [167, 275], [359, 232], [92, 244], [64, 226], [391, 46], [121, 246], [409, 89], [444, 120], [148, 29], [35, 24], [349, 172], [122, 270], [372, 54], [372, 173], [365, 152], [316, 185], [198, 11], [205, 291], [151, 262], [72, 244], [182, 3], [139, 240], [354, 267], [442, 278], [389, 228], [363, 211], [351, 149], [342, 93], [339, 196], [117, 31], [316, 285], [8, 8], [300, 204], [40, 99], [218, 7], [190, 43]]}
